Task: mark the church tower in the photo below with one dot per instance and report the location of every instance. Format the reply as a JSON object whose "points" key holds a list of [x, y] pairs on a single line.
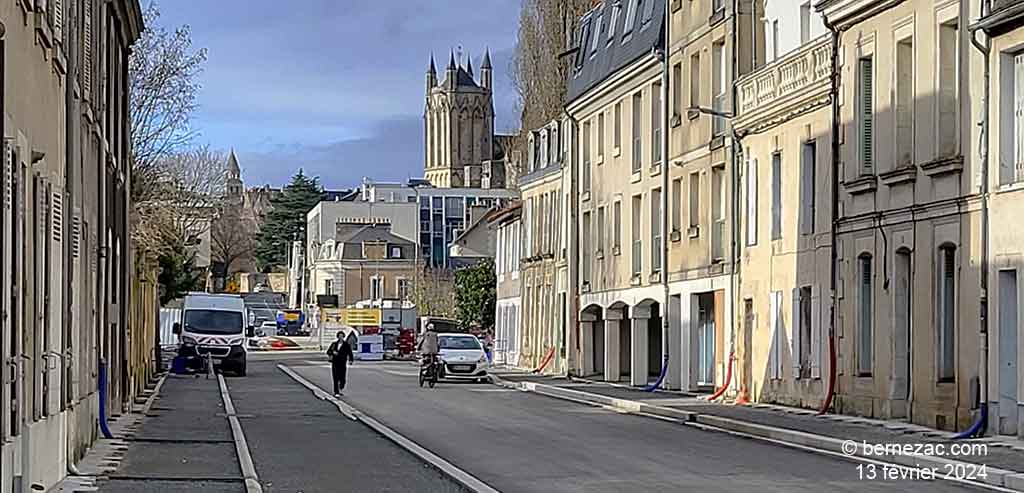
{"points": [[458, 122], [233, 184]]}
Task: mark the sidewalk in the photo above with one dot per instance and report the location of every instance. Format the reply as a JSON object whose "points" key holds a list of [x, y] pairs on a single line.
{"points": [[182, 442], [1004, 458]]}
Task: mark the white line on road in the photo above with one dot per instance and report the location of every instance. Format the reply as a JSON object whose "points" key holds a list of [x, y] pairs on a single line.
{"points": [[467, 479], [345, 409], [252, 481]]}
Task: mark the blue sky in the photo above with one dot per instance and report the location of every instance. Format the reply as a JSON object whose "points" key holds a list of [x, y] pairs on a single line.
{"points": [[334, 86]]}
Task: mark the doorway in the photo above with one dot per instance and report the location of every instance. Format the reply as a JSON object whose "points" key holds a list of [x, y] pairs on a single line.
{"points": [[1008, 334], [902, 302], [706, 339], [654, 342]]}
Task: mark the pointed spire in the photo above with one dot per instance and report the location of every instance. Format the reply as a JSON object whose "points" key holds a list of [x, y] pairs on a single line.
{"points": [[233, 163], [469, 64], [487, 59], [431, 70], [451, 61]]}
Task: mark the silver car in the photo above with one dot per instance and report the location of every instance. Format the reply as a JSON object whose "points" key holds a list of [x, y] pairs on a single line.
{"points": [[462, 357]]}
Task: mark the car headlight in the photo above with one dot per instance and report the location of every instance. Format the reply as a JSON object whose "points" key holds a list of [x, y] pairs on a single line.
{"points": [[482, 360]]}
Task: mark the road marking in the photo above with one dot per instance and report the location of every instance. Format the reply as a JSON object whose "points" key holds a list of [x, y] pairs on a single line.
{"points": [[466, 479], [252, 481], [345, 409]]}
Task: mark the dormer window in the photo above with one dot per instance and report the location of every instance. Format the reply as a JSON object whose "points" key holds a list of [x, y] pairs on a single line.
{"points": [[396, 252]]}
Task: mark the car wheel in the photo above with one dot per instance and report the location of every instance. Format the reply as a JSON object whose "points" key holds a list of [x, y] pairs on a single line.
{"points": [[241, 369]]}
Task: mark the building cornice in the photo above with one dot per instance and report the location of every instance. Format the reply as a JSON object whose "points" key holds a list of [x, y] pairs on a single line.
{"points": [[845, 13], [1006, 15]]}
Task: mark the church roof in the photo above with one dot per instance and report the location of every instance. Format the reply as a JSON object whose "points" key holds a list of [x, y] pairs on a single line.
{"points": [[464, 79], [487, 59], [233, 164]]}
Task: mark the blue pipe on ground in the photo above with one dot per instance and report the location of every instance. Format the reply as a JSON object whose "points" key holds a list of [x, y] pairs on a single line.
{"points": [[661, 377], [103, 400], [978, 428]]}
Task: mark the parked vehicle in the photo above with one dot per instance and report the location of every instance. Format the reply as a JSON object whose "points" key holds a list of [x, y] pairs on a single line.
{"points": [[215, 325], [291, 323], [462, 357]]}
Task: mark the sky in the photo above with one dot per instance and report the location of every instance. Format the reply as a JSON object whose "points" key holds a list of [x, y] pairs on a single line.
{"points": [[335, 87]]}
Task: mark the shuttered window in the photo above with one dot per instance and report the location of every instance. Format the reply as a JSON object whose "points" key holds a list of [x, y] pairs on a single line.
{"points": [[776, 196], [866, 108], [865, 353], [947, 313], [1015, 172]]}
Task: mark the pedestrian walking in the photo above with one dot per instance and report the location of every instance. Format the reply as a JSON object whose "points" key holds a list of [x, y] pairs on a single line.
{"points": [[341, 355]]}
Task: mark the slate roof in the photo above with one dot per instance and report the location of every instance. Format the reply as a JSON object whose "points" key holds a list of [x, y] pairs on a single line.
{"points": [[369, 233], [591, 68]]}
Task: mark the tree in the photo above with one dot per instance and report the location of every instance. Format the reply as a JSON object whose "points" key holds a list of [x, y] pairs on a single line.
{"points": [[231, 239], [178, 274], [539, 72], [163, 78], [286, 220], [432, 292], [476, 295]]}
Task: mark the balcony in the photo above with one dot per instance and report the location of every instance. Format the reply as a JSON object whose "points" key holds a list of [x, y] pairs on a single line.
{"points": [[1003, 16], [786, 87]]}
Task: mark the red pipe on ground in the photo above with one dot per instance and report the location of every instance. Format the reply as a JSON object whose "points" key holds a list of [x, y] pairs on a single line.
{"points": [[728, 380], [547, 359]]}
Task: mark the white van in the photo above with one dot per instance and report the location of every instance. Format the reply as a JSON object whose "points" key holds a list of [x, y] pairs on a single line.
{"points": [[215, 325]]}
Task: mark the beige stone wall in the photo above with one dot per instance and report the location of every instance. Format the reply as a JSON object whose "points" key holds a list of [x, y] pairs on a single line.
{"points": [[1005, 235], [541, 321], [916, 207], [357, 276]]}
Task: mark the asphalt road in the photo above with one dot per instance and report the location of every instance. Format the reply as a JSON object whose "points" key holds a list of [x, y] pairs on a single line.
{"points": [[522, 442], [299, 443]]}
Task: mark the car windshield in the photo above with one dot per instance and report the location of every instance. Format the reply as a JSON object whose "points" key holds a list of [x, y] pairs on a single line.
{"points": [[213, 321], [458, 342]]}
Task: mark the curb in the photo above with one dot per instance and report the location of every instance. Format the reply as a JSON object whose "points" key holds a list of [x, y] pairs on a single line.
{"points": [[447, 468], [999, 478], [252, 481]]}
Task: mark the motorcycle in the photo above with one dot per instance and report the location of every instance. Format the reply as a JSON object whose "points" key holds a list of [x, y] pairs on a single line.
{"points": [[430, 372]]}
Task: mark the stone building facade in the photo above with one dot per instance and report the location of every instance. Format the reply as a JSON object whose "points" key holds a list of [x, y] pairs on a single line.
{"points": [[67, 259]]}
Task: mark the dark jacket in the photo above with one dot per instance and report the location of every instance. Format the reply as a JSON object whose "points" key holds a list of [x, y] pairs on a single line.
{"points": [[340, 352]]}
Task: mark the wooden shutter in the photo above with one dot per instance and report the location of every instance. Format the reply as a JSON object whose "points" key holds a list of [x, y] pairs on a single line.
{"points": [[87, 67], [815, 331], [794, 331], [55, 300], [1017, 173], [6, 247], [773, 353], [57, 20], [867, 116], [751, 202]]}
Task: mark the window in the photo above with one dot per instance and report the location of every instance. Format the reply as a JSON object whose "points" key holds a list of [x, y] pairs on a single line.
{"points": [[695, 80], [617, 137], [586, 157], [638, 100], [807, 192], [616, 8], [376, 288], [866, 110], [752, 202], [804, 333], [720, 86], [600, 232], [805, 23], [718, 208], [694, 204], [677, 90], [1012, 170], [776, 196], [404, 289], [778, 337], [396, 252], [905, 102], [600, 137], [656, 230], [656, 123], [587, 249], [328, 287], [598, 27], [677, 205], [775, 39], [865, 324], [636, 237], [717, 5], [617, 227], [648, 10], [584, 37], [631, 8], [948, 90], [947, 313]]}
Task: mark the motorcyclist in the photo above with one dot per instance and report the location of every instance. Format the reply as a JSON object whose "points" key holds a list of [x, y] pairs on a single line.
{"points": [[428, 346]]}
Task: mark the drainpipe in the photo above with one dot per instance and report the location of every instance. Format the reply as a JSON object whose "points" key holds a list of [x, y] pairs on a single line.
{"points": [[979, 426], [573, 354], [665, 60], [833, 267]]}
